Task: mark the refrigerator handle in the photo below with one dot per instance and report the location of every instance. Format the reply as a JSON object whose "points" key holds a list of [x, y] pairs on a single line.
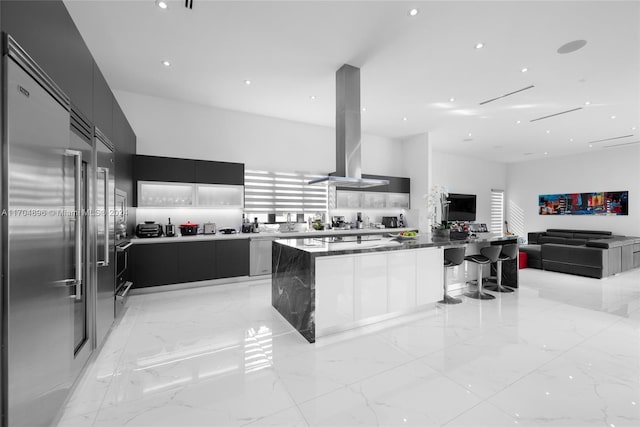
{"points": [[77, 280], [105, 261]]}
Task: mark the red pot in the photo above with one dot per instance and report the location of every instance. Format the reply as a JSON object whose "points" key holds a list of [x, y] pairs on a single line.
{"points": [[188, 229]]}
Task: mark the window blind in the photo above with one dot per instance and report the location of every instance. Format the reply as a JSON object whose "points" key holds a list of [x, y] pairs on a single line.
{"points": [[280, 192], [497, 211]]}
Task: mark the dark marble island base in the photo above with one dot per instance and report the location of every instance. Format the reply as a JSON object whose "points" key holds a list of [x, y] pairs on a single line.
{"points": [[293, 288]]}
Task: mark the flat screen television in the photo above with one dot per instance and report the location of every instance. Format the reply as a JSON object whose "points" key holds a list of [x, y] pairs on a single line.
{"points": [[462, 207]]}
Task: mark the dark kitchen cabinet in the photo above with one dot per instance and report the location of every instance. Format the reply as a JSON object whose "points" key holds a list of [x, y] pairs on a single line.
{"points": [[124, 140], [154, 264], [219, 173], [167, 169], [196, 261], [232, 258], [47, 33], [396, 185], [102, 103]]}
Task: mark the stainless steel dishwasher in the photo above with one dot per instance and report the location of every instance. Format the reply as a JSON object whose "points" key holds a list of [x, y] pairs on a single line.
{"points": [[260, 255]]}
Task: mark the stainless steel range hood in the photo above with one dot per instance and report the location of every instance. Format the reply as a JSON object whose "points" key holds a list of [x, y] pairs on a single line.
{"points": [[348, 134]]}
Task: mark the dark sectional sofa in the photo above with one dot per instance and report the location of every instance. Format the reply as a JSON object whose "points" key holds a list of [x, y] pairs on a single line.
{"points": [[583, 252]]}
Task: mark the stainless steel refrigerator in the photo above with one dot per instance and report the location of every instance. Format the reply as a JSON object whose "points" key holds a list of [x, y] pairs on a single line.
{"points": [[47, 174]]}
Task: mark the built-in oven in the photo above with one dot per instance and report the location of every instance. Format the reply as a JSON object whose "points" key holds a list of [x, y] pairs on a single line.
{"points": [[123, 282]]}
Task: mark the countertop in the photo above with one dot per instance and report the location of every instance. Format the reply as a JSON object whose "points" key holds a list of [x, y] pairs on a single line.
{"points": [[294, 235], [317, 247]]}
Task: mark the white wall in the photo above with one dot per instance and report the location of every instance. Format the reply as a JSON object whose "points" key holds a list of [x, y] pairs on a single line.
{"points": [[171, 128], [468, 175], [615, 169], [416, 152]]}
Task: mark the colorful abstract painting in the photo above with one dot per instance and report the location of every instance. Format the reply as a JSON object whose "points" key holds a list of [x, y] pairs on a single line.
{"points": [[599, 203]]}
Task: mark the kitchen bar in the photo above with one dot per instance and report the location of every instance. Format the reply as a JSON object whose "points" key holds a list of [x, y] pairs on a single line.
{"points": [[323, 285]]}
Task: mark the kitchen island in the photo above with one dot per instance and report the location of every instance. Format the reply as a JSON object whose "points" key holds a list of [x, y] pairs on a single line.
{"points": [[329, 284]]}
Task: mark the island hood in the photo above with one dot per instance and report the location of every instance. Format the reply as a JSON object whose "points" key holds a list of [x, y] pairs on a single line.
{"points": [[348, 134]]}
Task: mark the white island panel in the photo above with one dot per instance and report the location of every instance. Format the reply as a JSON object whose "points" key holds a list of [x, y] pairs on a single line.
{"points": [[401, 280], [370, 285], [430, 275], [334, 291]]}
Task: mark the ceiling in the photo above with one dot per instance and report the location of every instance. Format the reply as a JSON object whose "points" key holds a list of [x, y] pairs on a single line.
{"points": [[411, 66]]}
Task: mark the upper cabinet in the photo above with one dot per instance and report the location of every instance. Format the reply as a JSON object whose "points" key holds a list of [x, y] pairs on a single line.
{"points": [[219, 173], [207, 183], [167, 169], [171, 169], [394, 195]]}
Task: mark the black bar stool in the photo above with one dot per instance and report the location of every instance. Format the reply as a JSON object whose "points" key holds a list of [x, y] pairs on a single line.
{"points": [[509, 252], [488, 255], [452, 257]]}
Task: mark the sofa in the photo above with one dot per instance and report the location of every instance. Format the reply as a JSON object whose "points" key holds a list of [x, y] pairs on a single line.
{"points": [[590, 253]]}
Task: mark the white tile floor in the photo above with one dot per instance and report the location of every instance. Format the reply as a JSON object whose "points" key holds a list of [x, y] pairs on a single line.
{"points": [[562, 350]]}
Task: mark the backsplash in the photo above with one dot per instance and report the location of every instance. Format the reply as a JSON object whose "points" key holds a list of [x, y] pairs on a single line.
{"points": [[221, 217]]}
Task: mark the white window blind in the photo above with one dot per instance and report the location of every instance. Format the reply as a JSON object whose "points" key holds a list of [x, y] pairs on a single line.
{"points": [[280, 192], [497, 211]]}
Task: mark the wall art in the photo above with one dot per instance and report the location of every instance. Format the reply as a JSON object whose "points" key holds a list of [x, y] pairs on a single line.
{"points": [[599, 203]]}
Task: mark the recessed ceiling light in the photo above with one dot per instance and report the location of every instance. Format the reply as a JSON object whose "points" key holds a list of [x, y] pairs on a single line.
{"points": [[247, 82], [364, 109], [633, 128], [469, 134], [404, 119], [590, 145], [479, 45], [545, 153], [518, 122], [572, 46], [587, 103], [413, 12], [451, 99], [162, 4], [524, 70], [548, 131], [166, 63], [613, 117], [312, 97], [570, 139]]}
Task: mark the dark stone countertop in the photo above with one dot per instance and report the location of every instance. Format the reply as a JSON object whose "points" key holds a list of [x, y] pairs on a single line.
{"points": [[321, 247]]}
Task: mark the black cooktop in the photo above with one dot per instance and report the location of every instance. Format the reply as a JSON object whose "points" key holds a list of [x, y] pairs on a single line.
{"points": [[338, 239]]}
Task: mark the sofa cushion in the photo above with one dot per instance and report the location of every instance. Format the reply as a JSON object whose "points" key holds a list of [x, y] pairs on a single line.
{"points": [[611, 242], [560, 234], [567, 254], [590, 232], [589, 236], [551, 239]]}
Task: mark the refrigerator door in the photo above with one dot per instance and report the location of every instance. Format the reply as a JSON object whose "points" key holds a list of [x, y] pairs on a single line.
{"points": [[79, 175], [39, 289], [105, 236]]}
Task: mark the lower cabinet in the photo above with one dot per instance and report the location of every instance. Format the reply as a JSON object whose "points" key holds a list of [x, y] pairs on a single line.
{"points": [[168, 263], [154, 264], [232, 258]]}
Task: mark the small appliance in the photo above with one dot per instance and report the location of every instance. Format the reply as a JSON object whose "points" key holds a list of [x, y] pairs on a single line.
{"points": [[390, 222], [170, 229], [338, 222], [209, 228], [228, 230], [188, 229], [149, 229]]}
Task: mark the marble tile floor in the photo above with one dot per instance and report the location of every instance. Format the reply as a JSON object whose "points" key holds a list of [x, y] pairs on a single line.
{"points": [[562, 350]]}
